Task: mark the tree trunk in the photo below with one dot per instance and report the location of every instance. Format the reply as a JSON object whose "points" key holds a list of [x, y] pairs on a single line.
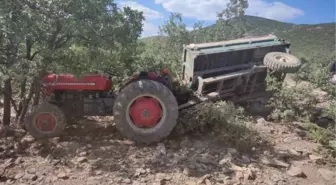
{"points": [[7, 98], [26, 103], [22, 97]]}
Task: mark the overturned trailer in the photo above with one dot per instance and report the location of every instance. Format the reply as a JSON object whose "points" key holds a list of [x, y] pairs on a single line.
{"points": [[235, 69]]}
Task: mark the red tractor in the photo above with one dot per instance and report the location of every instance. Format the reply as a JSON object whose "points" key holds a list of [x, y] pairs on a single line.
{"points": [[145, 109]]}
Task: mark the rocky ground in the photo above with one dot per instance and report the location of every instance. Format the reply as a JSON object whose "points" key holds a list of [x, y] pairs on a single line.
{"points": [[93, 152]]}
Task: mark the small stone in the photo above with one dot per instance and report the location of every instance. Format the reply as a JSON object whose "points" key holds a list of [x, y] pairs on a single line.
{"points": [[239, 175], [202, 179], [31, 171], [246, 159], [56, 140], [190, 182], [249, 175], [186, 171], [266, 152], [82, 154], [139, 171], [162, 177], [232, 151], [273, 162], [8, 163], [27, 139], [98, 172], [327, 174], [19, 175], [294, 152], [89, 146], [230, 182], [34, 177], [162, 148], [18, 160], [127, 181], [208, 182], [62, 175], [317, 159], [227, 170], [296, 172], [81, 159], [287, 140], [300, 132], [261, 121], [227, 159]]}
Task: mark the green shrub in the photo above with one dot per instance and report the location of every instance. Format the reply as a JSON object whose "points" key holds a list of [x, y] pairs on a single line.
{"points": [[290, 103], [228, 122]]}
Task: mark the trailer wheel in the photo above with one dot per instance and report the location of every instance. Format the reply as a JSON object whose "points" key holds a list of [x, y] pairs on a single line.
{"points": [[145, 111], [282, 62], [46, 122]]}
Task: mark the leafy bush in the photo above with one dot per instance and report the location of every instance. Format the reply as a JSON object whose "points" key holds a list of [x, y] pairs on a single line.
{"points": [[225, 119], [290, 103]]}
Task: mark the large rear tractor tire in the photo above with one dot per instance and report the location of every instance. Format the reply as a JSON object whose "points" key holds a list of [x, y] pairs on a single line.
{"points": [[46, 122], [145, 111], [282, 62]]}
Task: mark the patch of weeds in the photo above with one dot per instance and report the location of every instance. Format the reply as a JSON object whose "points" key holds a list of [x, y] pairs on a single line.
{"points": [[323, 136], [290, 103], [229, 124], [319, 134]]}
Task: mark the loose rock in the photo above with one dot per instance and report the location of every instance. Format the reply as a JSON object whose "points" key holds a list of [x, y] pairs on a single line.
{"points": [[34, 177], [81, 159], [246, 159], [249, 175], [19, 175], [300, 133], [18, 160], [296, 172], [208, 182], [232, 151], [62, 175], [227, 159], [274, 162], [82, 154], [202, 179], [161, 148], [317, 159], [186, 171], [261, 121], [139, 171], [127, 181]]}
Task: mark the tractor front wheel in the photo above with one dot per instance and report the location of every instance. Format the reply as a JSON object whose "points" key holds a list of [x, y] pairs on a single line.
{"points": [[145, 111], [46, 122]]}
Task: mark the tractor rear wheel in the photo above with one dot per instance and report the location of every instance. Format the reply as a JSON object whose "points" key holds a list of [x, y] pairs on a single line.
{"points": [[145, 111], [46, 122]]}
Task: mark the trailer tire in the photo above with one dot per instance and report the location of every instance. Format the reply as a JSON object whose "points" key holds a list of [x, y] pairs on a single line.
{"points": [[147, 90], [49, 117], [282, 62]]}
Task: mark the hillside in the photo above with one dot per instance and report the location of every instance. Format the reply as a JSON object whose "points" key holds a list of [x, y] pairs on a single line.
{"points": [[315, 41]]}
